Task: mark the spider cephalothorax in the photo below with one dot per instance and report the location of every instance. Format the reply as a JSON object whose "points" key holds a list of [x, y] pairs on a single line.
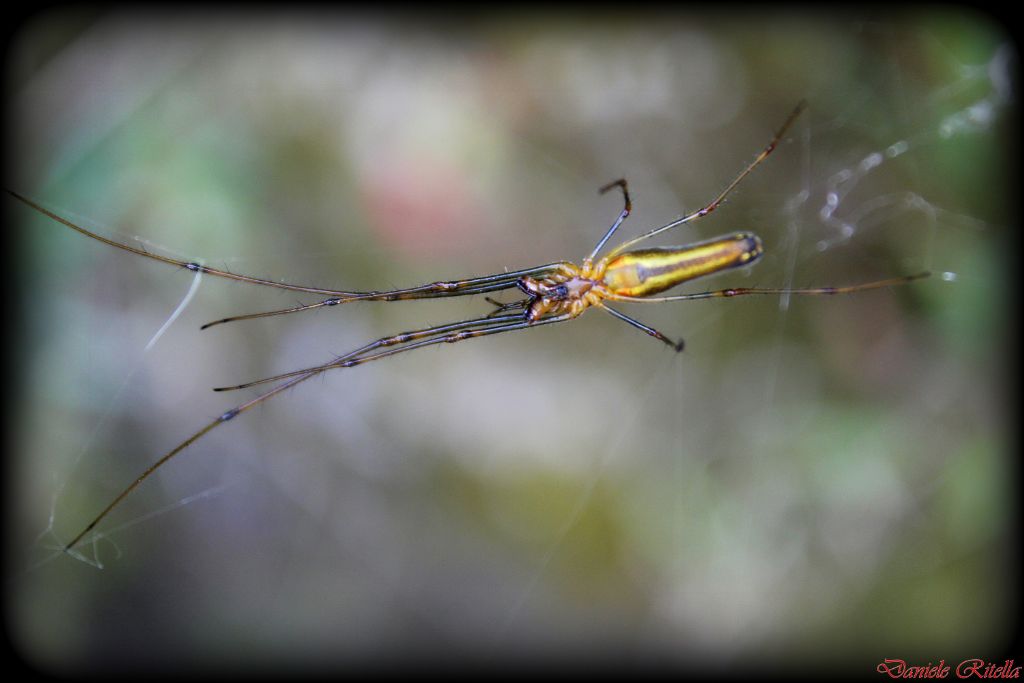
{"points": [[570, 291]]}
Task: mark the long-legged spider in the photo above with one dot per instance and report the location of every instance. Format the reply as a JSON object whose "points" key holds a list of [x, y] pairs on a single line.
{"points": [[554, 293]]}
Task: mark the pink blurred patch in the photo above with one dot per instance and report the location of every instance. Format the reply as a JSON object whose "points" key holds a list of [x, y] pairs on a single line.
{"points": [[421, 207]]}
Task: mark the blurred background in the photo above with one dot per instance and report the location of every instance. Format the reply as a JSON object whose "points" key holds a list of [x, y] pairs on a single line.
{"points": [[821, 480]]}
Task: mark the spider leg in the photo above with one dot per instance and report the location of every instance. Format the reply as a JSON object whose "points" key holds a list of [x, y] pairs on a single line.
{"points": [[621, 183], [393, 340], [434, 290], [678, 346], [234, 412], [700, 213], [453, 337], [187, 265], [458, 332], [745, 291]]}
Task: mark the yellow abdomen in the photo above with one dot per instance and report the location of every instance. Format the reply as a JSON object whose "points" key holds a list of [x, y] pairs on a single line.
{"points": [[648, 271]]}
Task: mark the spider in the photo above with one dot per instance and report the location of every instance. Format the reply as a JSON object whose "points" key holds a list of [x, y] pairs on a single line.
{"points": [[554, 293]]}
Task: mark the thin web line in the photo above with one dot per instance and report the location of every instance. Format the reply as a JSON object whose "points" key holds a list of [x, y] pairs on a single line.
{"points": [[115, 400]]}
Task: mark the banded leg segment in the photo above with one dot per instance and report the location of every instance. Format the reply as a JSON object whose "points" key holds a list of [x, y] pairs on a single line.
{"points": [[746, 291], [678, 346], [434, 290], [457, 332], [393, 340], [621, 183], [700, 213], [453, 337], [187, 265], [225, 417]]}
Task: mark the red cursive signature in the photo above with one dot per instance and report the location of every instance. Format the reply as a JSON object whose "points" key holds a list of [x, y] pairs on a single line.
{"points": [[968, 668]]}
